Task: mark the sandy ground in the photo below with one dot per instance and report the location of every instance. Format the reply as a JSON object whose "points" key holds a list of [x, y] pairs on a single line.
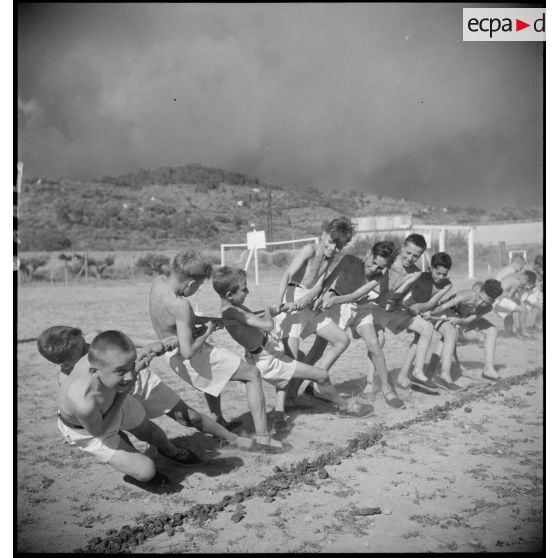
{"points": [[471, 481]]}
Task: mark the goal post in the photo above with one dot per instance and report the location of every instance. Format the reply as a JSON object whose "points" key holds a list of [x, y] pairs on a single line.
{"points": [[250, 249]]}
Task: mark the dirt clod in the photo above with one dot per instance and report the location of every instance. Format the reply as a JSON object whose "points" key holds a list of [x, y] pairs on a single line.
{"points": [[366, 511], [323, 474]]}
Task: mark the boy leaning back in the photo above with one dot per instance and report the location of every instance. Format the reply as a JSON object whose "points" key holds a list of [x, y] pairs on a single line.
{"points": [[345, 300], [209, 368], [300, 284], [263, 349], [95, 406]]}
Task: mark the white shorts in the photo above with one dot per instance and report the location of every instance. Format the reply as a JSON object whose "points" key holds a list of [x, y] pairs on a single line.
{"points": [[351, 316], [275, 366], [533, 297], [156, 397], [210, 368], [505, 306], [301, 323], [131, 415]]}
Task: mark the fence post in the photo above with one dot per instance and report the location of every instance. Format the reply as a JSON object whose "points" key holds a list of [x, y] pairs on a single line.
{"points": [[442, 240], [471, 253], [86, 268]]}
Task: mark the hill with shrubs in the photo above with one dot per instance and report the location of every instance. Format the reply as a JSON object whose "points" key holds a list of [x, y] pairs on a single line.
{"points": [[171, 207]]}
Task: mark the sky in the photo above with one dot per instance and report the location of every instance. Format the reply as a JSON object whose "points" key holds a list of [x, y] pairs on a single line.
{"points": [[383, 98]]}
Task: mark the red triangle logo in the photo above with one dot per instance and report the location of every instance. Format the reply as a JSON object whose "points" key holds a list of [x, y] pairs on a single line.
{"points": [[519, 25]]}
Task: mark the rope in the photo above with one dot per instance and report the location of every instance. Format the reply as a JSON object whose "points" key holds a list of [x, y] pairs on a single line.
{"points": [[169, 344]]}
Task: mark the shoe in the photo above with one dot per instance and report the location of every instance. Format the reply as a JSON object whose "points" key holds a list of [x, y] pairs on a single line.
{"points": [[229, 425], [309, 390], [273, 446], [401, 386], [184, 456], [448, 386], [494, 379], [394, 401], [427, 386], [358, 411]]}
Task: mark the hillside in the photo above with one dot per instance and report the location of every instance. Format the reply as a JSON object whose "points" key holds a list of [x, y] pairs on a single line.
{"points": [[197, 206]]}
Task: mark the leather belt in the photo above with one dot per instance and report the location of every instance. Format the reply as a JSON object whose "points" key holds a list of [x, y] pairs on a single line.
{"points": [[259, 349], [68, 423]]}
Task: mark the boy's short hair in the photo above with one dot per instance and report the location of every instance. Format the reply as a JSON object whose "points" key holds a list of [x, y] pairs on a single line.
{"points": [[441, 259], [518, 258], [340, 230], [227, 279], [493, 288], [191, 264], [417, 240], [106, 341], [539, 261], [56, 343], [385, 249], [531, 276]]}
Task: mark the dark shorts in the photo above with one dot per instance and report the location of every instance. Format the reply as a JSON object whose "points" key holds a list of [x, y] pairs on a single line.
{"points": [[397, 320], [479, 323]]}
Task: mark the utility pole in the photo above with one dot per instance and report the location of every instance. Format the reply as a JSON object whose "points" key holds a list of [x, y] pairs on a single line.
{"points": [[269, 217]]}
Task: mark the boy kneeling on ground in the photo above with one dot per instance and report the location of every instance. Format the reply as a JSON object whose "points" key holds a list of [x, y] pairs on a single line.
{"points": [[95, 406]]}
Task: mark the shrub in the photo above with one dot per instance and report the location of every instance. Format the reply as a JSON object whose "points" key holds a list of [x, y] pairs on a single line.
{"points": [[47, 239], [153, 264], [281, 259]]}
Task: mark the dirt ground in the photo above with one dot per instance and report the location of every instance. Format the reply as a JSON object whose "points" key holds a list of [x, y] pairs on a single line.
{"points": [[470, 479]]}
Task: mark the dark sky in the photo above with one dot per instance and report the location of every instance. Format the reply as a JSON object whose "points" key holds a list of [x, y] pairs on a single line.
{"points": [[379, 97]]}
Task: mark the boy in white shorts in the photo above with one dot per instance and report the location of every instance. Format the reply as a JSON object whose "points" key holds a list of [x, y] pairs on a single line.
{"points": [[509, 306], [95, 406], [66, 346], [263, 349], [209, 368], [300, 284]]}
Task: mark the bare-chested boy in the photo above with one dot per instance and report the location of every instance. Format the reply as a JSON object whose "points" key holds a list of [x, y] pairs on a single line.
{"points": [[67, 346], [209, 368], [509, 305], [300, 284], [263, 349], [345, 300], [534, 298], [95, 406], [516, 266]]}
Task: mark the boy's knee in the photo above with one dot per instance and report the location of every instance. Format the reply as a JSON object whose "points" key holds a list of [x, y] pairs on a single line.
{"points": [[450, 334], [425, 328], [342, 341], [254, 375], [323, 378], [144, 470]]}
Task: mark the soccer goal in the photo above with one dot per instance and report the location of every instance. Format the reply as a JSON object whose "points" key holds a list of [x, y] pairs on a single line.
{"points": [[241, 255]]}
